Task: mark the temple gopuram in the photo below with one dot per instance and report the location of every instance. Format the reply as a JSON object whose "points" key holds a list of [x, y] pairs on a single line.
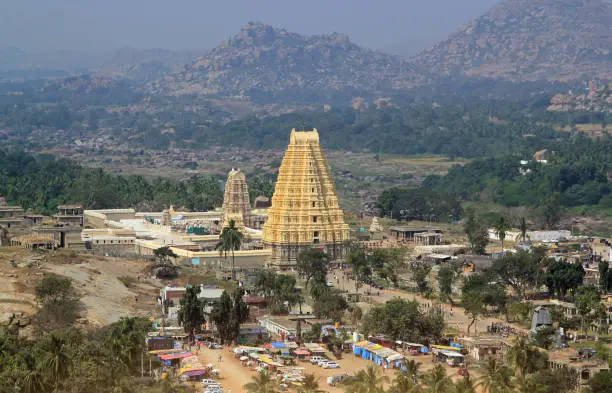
{"points": [[305, 211]]}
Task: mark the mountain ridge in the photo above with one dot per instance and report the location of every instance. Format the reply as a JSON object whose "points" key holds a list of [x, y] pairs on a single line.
{"points": [[523, 40]]}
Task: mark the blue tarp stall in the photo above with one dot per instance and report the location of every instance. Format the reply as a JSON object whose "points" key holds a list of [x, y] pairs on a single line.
{"points": [[278, 344], [377, 353]]}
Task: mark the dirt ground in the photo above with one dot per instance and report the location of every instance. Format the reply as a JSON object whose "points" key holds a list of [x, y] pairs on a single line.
{"points": [[104, 297]]}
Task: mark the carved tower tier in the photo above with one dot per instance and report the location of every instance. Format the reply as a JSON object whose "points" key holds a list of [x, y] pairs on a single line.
{"points": [[305, 211], [236, 205]]}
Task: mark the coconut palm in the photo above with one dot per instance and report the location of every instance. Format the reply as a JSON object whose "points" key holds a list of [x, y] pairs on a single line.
{"points": [[58, 359], [412, 369], [496, 378], [262, 383], [437, 381], [405, 383], [523, 230], [528, 384], [230, 240], [33, 382], [464, 385], [310, 385], [517, 356], [368, 380], [500, 230]]}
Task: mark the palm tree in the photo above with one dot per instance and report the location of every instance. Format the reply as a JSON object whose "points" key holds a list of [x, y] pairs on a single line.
{"points": [[528, 384], [404, 382], [368, 380], [496, 378], [517, 356], [412, 369], [58, 360], [437, 381], [262, 383], [310, 385], [230, 240], [464, 385], [33, 382], [523, 229], [500, 230]]}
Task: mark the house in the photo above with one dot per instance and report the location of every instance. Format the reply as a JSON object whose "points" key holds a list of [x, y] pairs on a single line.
{"points": [[69, 215], [541, 318], [602, 250], [407, 233]]}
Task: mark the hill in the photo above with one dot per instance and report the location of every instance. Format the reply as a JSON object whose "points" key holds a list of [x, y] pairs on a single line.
{"points": [[260, 59], [147, 64], [521, 40]]}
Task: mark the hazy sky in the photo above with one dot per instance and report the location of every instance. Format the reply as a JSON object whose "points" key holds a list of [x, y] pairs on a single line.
{"points": [[104, 25]]}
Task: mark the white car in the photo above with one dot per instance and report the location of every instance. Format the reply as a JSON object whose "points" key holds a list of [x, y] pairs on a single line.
{"points": [[322, 362], [330, 365], [316, 359], [330, 283]]}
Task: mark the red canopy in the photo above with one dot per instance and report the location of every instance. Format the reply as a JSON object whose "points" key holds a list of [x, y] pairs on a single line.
{"points": [[173, 356], [267, 346], [302, 352]]}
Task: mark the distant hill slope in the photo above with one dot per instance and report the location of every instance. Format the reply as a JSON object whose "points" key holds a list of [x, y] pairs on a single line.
{"points": [[146, 64], [522, 40], [264, 59]]}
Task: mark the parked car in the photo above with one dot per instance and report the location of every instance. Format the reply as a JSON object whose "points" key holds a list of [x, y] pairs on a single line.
{"points": [[316, 359], [330, 283], [215, 346], [330, 365], [322, 362]]}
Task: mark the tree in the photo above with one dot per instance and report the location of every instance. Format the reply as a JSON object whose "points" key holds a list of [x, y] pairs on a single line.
{"points": [[403, 320], [59, 303], [551, 211], [525, 358], [589, 305], [496, 378], [368, 380], [561, 276], [230, 240], [605, 276], [464, 385], [228, 314], [500, 230], [310, 385], [191, 311], [330, 306], [477, 233], [262, 383], [163, 267], [57, 360], [404, 383], [436, 380], [518, 270], [420, 271], [523, 229], [312, 264], [601, 382], [55, 290], [446, 276], [478, 292]]}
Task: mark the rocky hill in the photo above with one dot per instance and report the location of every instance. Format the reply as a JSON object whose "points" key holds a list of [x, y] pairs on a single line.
{"points": [[147, 64], [261, 58], [522, 40]]}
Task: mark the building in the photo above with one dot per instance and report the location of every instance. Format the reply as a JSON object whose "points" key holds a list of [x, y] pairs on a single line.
{"points": [[602, 250], [409, 233], [10, 216], [69, 215], [111, 241], [236, 205], [305, 210]]}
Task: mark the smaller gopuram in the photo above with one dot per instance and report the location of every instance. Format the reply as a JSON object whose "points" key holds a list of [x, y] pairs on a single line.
{"points": [[236, 205]]}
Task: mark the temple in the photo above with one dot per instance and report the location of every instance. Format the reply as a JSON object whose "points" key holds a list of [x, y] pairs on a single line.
{"points": [[236, 205], [305, 211]]}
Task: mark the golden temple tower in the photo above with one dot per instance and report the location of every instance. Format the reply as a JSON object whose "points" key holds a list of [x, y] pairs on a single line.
{"points": [[305, 211], [236, 205]]}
